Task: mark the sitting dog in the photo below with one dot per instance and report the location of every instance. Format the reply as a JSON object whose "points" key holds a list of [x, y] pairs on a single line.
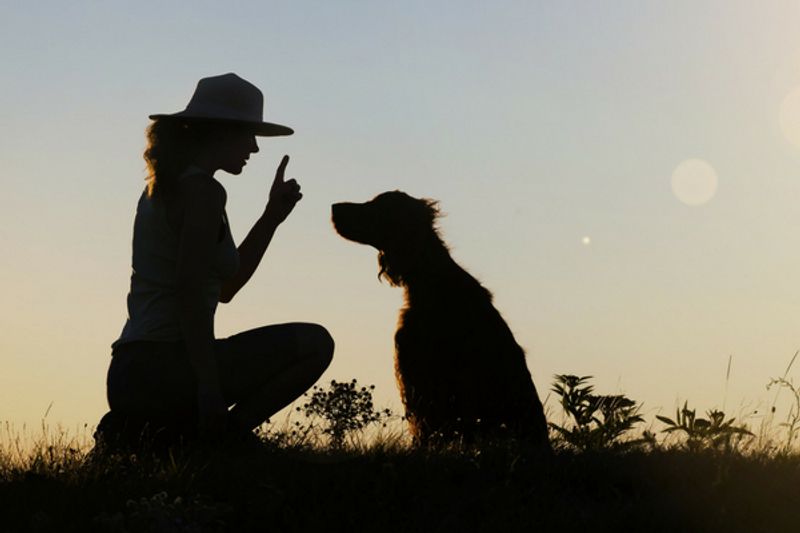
{"points": [[460, 372]]}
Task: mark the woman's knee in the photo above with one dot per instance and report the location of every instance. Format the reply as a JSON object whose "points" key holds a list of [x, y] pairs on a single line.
{"points": [[315, 340]]}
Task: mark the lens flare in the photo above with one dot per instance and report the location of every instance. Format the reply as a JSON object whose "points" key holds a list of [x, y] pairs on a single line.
{"points": [[694, 182]]}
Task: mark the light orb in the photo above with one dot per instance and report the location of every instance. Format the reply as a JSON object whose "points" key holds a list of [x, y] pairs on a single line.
{"points": [[694, 182]]}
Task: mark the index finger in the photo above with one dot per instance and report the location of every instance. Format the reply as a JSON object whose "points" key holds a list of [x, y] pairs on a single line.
{"points": [[281, 169]]}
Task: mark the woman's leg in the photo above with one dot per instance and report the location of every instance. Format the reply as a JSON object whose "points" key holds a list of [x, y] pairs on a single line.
{"points": [[263, 370], [152, 379], [152, 395]]}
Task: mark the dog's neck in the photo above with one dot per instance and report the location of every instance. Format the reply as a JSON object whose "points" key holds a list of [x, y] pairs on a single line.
{"points": [[429, 268], [409, 268], [429, 275]]}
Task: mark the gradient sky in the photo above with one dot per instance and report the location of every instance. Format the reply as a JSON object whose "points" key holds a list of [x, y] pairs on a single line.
{"points": [[550, 132]]}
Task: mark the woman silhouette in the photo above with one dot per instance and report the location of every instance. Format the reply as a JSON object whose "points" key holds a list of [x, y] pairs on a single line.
{"points": [[168, 371]]}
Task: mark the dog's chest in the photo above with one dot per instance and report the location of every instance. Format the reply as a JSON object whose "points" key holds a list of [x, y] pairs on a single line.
{"points": [[429, 333]]}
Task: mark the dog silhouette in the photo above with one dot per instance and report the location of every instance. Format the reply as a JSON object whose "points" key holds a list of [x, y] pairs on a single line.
{"points": [[460, 372]]}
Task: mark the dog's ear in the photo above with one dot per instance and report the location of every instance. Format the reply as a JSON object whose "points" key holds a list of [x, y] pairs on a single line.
{"points": [[410, 246], [391, 267]]}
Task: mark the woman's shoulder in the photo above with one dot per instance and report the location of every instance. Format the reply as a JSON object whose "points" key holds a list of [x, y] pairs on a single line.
{"points": [[198, 197], [200, 185]]}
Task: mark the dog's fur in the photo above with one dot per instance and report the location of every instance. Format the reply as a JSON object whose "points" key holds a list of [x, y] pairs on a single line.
{"points": [[460, 372]]}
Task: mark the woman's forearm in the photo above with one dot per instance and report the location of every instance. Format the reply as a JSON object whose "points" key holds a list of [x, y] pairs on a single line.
{"points": [[251, 250]]}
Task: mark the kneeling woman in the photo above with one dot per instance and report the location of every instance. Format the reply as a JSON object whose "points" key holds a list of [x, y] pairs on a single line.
{"points": [[167, 369]]}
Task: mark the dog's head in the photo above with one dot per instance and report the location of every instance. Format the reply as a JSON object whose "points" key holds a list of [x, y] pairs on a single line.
{"points": [[398, 225]]}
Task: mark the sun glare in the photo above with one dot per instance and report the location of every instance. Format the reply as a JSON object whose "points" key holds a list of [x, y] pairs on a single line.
{"points": [[694, 182]]}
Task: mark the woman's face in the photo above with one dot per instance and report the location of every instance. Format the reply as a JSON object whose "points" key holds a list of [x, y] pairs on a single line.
{"points": [[234, 147]]}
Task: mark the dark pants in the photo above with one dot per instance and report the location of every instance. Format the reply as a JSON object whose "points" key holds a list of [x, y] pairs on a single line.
{"points": [[155, 381]]}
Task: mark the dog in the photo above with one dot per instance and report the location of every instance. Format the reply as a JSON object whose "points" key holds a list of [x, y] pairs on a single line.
{"points": [[461, 374]]}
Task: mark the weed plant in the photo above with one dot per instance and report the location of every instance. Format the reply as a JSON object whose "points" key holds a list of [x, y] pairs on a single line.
{"points": [[343, 409], [714, 433], [599, 422], [792, 423]]}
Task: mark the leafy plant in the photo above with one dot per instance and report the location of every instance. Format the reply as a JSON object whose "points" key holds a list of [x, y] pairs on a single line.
{"points": [[714, 432], [344, 408], [598, 421]]}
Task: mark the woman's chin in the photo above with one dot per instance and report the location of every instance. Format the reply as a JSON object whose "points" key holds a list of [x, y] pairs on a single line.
{"points": [[235, 170]]}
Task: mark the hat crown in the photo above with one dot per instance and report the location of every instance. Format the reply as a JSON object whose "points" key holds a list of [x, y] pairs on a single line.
{"points": [[228, 97]]}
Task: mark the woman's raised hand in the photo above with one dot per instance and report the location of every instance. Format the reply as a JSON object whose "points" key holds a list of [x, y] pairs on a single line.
{"points": [[283, 195]]}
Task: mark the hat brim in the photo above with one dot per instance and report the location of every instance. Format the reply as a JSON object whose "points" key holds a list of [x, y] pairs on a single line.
{"points": [[262, 129]]}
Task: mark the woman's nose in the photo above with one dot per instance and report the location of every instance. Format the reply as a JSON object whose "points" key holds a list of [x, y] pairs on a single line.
{"points": [[254, 146]]}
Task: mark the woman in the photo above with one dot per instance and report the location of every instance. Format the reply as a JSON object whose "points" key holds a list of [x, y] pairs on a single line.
{"points": [[168, 371]]}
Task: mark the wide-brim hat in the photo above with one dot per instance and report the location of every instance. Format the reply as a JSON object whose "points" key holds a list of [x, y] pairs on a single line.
{"points": [[231, 99]]}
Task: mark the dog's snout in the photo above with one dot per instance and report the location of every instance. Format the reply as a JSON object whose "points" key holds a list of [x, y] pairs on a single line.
{"points": [[340, 216], [352, 222], [339, 212]]}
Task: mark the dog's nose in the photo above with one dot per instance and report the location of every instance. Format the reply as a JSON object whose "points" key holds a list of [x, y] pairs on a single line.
{"points": [[336, 209]]}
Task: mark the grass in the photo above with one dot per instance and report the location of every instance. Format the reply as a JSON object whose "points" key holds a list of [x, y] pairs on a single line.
{"points": [[306, 477], [387, 485]]}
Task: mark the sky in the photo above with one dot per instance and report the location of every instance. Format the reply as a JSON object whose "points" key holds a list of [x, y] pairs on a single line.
{"points": [[623, 176]]}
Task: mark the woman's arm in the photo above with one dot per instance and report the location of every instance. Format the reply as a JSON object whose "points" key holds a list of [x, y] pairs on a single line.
{"points": [[283, 196], [251, 250], [204, 203]]}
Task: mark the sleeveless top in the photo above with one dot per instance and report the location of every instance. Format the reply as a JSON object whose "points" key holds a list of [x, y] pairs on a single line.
{"points": [[153, 300]]}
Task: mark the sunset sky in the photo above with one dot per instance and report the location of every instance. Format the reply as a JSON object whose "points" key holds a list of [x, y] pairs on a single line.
{"points": [[623, 176]]}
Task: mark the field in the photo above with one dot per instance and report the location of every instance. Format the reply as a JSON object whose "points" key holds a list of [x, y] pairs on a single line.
{"points": [[304, 476]]}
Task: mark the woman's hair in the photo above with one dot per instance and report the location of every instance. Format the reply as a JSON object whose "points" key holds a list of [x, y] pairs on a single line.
{"points": [[172, 145]]}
